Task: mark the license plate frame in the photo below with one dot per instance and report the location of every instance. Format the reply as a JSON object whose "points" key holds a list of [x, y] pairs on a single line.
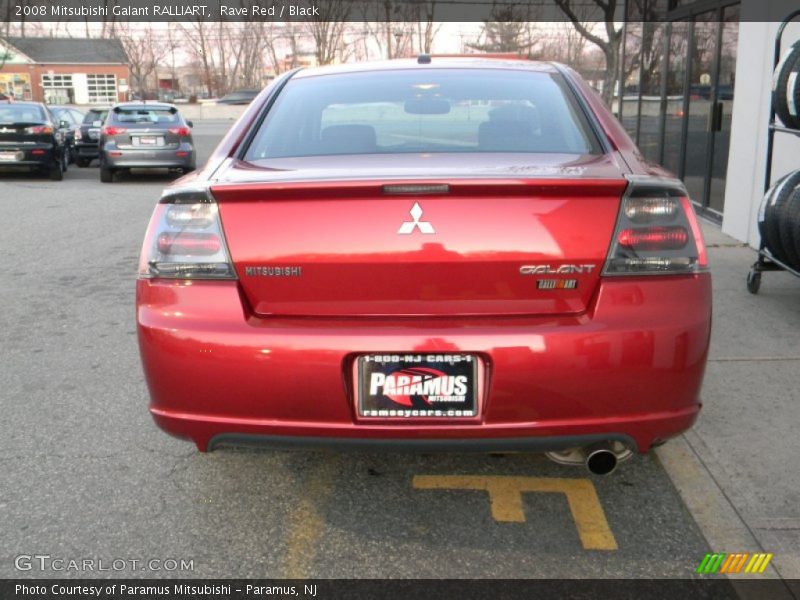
{"points": [[447, 403]]}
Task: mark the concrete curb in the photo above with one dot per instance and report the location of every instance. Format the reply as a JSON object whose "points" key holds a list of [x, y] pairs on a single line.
{"points": [[715, 515]]}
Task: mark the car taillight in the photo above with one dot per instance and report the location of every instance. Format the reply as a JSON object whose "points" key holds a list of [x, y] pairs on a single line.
{"points": [[181, 131], [39, 130], [111, 130], [78, 134], [657, 232], [184, 239]]}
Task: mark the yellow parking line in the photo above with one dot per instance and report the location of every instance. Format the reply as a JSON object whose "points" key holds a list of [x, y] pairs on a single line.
{"points": [[505, 497], [305, 521]]}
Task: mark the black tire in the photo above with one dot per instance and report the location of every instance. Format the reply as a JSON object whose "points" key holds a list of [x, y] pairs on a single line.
{"points": [[81, 162], [762, 210], [753, 281], [56, 171], [773, 215], [790, 229], [106, 174], [783, 97]]}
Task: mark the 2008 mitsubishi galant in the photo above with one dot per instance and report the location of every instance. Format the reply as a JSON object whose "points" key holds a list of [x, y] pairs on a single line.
{"points": [[465, 254]]}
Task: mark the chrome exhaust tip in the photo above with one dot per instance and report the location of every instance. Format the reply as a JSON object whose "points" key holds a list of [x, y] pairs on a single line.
{"points": [[600, 459]]}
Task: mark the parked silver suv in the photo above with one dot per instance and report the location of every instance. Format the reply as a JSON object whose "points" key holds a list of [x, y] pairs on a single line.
{"points": [[145, 135]]}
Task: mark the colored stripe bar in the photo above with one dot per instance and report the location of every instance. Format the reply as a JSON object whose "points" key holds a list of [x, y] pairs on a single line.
{"points": [[715, 563], [703, 563], [742, 560], [765, 563]]}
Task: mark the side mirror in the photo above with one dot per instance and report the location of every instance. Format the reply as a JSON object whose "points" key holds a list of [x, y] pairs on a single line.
{"points": [[190, 124]]}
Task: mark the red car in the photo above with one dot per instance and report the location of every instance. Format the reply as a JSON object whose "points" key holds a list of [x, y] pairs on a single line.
{"points": [[461, 254]]}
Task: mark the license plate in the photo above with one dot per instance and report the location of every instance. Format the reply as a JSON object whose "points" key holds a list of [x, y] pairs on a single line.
{"points": [[148, 140], [8, 156], [413, 386]]}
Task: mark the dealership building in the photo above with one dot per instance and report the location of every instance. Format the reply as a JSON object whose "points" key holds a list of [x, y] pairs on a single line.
{"points": [[696, 96], [64, 70]]}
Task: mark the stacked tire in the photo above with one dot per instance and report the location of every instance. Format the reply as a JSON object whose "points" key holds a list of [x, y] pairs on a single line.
{"points": [[786, 88], [779, 220], [779, 216]]}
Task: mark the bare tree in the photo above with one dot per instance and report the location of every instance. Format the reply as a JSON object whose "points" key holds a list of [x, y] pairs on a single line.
{"points": [[252, 71], [271, 41], [427, 28], [144, 51], [19, 26], [505, 32], [609, 45], [327, 32], [386, 22], [199, 40], [5, 27]]}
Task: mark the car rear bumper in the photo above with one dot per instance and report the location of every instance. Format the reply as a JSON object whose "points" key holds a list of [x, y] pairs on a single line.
{"points": [[629, 370], [182, 157], [28, 155], [85, 150]]}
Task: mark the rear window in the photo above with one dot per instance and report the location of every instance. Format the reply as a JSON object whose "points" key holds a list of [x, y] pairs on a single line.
{"points": [[21, 113], [424, 111], [94, 115], [146, 116]]}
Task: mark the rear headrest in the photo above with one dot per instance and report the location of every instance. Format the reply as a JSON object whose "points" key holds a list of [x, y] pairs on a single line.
{"points": [[507, 136], [516, 112], [350, 139]]}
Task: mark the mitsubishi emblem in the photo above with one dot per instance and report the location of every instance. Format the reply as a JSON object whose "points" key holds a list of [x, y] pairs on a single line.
{"points": [[408, 226]]}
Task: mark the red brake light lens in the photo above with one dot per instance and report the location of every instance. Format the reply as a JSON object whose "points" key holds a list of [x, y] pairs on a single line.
{"points": [[111, 130], [181, 131], [39, 130], [654, 238]]}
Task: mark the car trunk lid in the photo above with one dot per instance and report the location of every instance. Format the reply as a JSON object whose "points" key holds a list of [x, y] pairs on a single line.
{"points": [[439, 246], [24, 132]]}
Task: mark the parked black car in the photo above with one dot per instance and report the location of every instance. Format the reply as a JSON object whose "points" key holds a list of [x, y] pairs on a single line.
{"points": [[69, 120], [87, 138], [239, 97], [30, 136]]}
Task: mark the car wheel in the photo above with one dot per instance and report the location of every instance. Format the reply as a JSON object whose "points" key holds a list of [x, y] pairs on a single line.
{"points": [[57, 171], [106, 175], [786, 88]]}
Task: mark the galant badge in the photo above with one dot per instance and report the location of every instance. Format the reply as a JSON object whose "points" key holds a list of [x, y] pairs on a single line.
{"points": [[409, 226]]}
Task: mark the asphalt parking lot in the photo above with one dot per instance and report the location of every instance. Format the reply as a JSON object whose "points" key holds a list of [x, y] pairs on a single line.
{"points": [[86, 474]]}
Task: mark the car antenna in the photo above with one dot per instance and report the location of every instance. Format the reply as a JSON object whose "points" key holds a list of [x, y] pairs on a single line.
{"points": [[424, 59]]}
